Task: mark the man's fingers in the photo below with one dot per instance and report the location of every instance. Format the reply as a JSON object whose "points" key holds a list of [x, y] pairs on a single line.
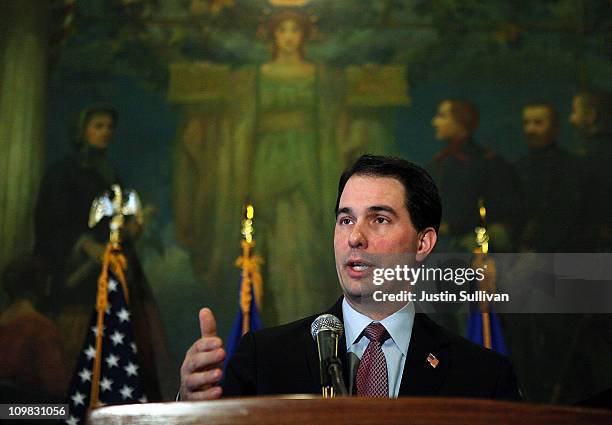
{"points": [[205, 344], [202, 380], [208, 325], [208, 344], [204, 360], [201, 370], [209, 394]]}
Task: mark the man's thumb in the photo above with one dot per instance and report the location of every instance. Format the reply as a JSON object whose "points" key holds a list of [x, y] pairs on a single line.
{"points": [[208, 324]]}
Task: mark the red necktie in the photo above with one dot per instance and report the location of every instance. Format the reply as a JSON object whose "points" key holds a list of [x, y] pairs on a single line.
{"points": [[372, 379]]}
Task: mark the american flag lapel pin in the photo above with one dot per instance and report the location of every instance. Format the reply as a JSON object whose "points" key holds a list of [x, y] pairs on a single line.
{"points": [[432, 360]]}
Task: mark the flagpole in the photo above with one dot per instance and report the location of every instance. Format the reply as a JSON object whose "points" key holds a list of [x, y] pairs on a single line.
{"points": [[250, 287], [484, 326], [482, 241], [114, 260], [251, 276]]}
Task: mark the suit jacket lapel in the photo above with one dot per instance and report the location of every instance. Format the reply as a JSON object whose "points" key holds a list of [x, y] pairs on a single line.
{"points": [[420, 377], [312, 355]]}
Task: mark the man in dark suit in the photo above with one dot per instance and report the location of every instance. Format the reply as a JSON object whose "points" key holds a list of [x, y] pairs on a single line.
{"points": [[385, 207]]}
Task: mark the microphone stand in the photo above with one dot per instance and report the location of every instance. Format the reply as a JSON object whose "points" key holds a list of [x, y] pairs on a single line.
{"points": [[333, 366]]}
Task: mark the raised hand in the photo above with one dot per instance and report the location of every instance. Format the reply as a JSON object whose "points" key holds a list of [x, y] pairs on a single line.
{"points": [[202, 368]]}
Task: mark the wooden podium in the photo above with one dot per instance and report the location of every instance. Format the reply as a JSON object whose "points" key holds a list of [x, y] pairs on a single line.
{"points": [[344, 411]]}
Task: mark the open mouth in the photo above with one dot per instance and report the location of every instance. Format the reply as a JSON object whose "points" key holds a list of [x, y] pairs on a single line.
{"points": [[358, 266]]}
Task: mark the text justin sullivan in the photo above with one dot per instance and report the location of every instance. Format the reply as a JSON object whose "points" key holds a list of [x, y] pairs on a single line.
{"points": [[443, 296]]}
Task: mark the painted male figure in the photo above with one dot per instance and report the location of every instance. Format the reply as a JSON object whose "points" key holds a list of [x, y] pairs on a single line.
{"points": [[552, 208], [466, 173], [592, 117]]}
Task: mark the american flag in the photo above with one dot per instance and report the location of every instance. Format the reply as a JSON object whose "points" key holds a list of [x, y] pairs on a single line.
{"points": [[120, 381]]}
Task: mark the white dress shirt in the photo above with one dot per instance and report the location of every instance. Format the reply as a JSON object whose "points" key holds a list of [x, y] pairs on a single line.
{"points": [[399, 326]]}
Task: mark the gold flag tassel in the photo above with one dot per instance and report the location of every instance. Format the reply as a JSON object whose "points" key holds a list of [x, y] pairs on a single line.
{"points": [[251, 281]]}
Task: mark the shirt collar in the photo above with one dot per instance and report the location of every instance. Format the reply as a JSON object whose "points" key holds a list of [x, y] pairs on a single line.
{"points": [[399, 325]]}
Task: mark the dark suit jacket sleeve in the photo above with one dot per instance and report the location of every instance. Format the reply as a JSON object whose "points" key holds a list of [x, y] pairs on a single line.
{"points": [[241, 372], [507, 386]]}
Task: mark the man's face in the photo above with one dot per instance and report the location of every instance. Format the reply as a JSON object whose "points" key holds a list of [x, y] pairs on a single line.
{"points": [[99, 130], [447, 128], [538, 126], [372, 220]]}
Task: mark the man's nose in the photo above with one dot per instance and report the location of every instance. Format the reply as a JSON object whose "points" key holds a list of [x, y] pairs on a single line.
{"points": [[357, 238]]}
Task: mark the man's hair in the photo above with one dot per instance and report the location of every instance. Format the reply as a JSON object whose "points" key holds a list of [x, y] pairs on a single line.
{"points": [[600, 101], [465, 113], [422, 199], [554, 115]]}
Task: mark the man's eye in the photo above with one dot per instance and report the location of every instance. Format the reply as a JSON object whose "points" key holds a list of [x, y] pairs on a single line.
{"points": [[381, 220], [345, 220]]}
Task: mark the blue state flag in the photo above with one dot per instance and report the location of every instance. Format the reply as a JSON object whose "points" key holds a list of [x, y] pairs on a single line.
{"points": [[485, 329]]}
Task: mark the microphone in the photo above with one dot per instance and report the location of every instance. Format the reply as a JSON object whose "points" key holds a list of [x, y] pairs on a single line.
{"points": [[326, 331]]}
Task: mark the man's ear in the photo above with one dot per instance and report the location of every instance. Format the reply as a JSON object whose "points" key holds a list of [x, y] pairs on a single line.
{"points": [[427, 241]]}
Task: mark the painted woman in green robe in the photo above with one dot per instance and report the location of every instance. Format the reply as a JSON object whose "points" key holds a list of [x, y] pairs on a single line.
{"points": [[289, 134], [294, 164]]}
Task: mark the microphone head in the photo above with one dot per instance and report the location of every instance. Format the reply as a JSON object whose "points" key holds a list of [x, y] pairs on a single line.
{"points": [[326, 322]]}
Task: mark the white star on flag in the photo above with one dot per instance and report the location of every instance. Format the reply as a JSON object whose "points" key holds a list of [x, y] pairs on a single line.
{"points": [[112, 360], [72, 420], [108, 309], [112, 285], [94, 329], [123, 315], [126, 392], [134, 349], [143, 399], [106, 384], [90, 352], [85, 375], [131, 369], [78, 398], [117, 338]]}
